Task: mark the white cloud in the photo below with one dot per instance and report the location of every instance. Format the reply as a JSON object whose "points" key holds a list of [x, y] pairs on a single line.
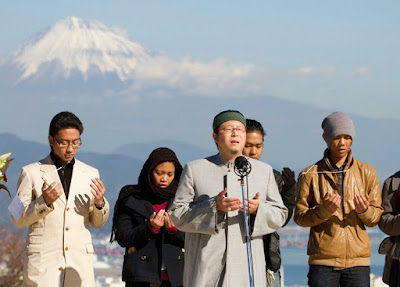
{"points": [[360, 71], [312, 70], [212, 78], [162, 76]]}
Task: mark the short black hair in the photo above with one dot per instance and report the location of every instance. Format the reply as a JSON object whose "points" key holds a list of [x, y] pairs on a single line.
{"points": [[226, 111], [255, 126], [65, 120]]}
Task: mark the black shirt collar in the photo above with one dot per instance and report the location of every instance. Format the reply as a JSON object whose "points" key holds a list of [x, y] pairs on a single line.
{"points": [[335, 166], [56, 160]]}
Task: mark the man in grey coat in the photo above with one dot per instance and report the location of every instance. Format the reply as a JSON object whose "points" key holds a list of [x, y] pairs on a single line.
{"points": [[212, 216]]}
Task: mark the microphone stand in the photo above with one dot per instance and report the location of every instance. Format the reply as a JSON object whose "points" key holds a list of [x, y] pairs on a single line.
{"points": [[246, 228]]}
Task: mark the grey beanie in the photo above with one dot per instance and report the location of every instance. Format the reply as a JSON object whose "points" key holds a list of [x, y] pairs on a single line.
{"points": [[336, 124]]}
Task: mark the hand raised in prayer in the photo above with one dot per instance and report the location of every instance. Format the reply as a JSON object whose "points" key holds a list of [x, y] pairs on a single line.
{"points": [[361, 203], [332, 202], [252, 204], [157, 219], [226, 204]]}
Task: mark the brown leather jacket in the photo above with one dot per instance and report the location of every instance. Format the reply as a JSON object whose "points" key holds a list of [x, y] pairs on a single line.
{"points": [[338, 238]]}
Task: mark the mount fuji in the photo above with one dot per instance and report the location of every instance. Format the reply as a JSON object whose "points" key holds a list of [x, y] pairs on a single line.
{"points": [[76, 50], [85, 56]]}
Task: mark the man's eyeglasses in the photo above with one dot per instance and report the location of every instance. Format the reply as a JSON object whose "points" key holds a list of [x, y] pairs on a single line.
{"points": [[230, 129], [64, 144]]}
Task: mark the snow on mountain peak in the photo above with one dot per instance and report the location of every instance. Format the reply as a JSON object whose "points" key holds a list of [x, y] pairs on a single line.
{"points": [[77, 44], [76, 55]]}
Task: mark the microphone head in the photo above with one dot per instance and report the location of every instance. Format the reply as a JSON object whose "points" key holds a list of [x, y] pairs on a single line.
{"points": [[242, 166], [240, 162]]}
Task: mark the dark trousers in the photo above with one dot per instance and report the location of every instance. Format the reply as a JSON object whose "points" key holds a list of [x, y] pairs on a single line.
{"points": [[326, 276], [145, 284]]}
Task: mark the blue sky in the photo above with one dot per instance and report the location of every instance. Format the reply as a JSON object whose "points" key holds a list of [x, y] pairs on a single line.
{"points": [[333, 55], [291, 32]]}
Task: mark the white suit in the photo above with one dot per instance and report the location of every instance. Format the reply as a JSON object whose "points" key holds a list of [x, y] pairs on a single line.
{"points": [[59, 250]]}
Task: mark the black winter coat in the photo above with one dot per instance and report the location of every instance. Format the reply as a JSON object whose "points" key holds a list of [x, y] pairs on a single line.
{"points": [[145, 249], [272, 251]]}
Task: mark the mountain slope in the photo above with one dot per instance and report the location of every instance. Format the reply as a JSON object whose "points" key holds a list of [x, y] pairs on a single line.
{"points": [[73, 47], [184, 151]]}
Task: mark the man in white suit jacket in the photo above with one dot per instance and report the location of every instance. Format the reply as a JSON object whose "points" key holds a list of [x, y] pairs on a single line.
{"points": [[61, 196]]}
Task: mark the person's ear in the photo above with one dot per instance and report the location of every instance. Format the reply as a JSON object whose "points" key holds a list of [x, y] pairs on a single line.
{"points": [[215, 137], [51, 140]]}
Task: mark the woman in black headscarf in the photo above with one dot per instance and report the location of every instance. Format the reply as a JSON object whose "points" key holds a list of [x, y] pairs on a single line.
{"points": [[141, 224]]}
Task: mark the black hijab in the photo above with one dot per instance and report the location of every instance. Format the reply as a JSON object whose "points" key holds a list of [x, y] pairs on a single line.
{"points": [[145, 189], [151, 192]]}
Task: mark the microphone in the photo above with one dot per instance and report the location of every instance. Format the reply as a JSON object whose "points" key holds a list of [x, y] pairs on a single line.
{"points": [[242, 169], [242, 166]]}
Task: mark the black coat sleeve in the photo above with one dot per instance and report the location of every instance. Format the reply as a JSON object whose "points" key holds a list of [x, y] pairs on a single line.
{"points": [[390, 219], [176, 238], [133, 229], [288, 195]]}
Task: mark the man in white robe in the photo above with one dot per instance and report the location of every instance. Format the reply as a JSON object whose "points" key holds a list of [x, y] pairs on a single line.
{"points": [[212, 216]]}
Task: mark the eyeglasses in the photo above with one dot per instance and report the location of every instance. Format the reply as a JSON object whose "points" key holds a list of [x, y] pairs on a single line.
{"points": [[230, 129], [64, 144]]}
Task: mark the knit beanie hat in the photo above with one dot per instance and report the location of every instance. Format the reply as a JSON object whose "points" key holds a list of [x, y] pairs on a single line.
{"points": [[336, 124]]}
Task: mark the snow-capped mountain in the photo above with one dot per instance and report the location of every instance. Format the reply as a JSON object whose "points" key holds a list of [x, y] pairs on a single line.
{"points": [[74, 49], [77, 57]]}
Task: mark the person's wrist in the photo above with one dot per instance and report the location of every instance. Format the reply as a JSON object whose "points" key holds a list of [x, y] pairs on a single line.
{"points": [[171, 229], [47, 201], [361, 212], [100, 207], [154, 229], [219, 203]]}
